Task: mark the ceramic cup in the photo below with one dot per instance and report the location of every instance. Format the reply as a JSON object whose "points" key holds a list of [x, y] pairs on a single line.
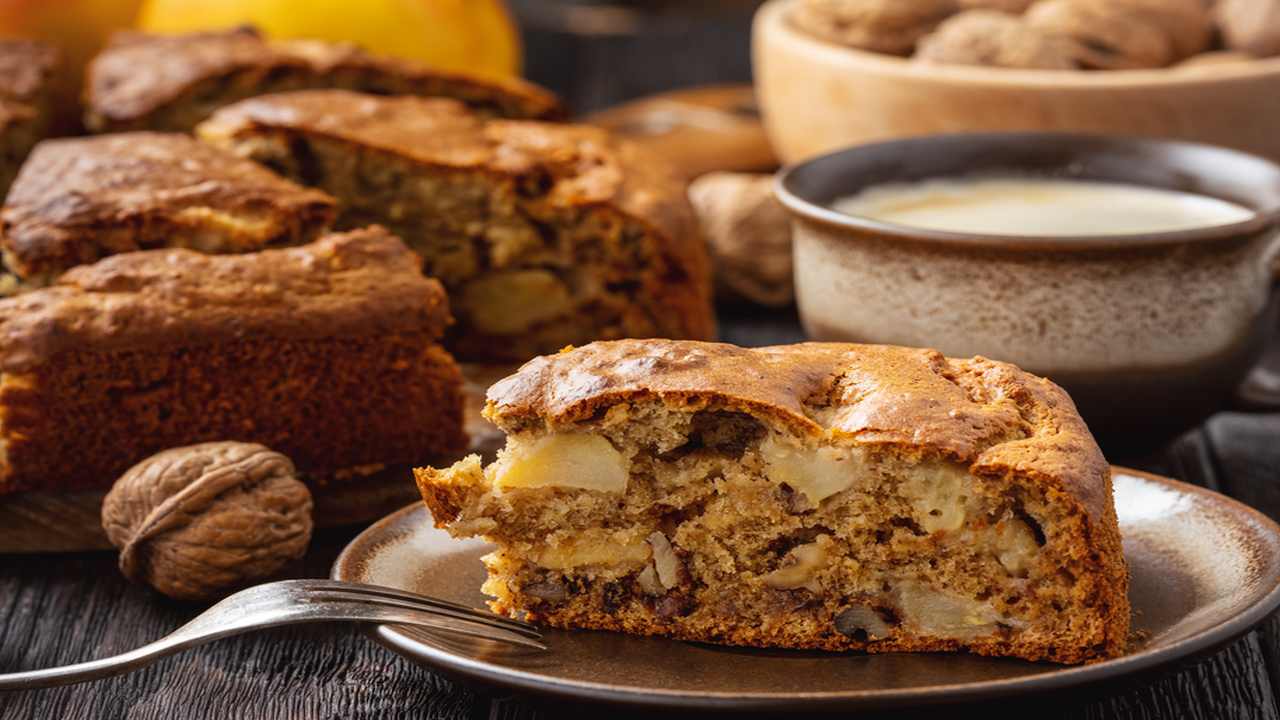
{"points": [[1148, 332]]}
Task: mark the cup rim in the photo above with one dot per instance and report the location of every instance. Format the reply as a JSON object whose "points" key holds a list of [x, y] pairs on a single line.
{"points": [[785, 181]]}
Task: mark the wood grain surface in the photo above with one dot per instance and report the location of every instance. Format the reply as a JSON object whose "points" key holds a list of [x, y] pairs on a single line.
{"points": [[66, 608]]}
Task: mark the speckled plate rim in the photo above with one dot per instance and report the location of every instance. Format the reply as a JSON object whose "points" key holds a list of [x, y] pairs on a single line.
{"points": [[1198, 644]]}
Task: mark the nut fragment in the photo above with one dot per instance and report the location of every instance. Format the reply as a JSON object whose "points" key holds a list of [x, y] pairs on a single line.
{"points": [[799, 568], [196, 521], [860, 619], [665, 562]]}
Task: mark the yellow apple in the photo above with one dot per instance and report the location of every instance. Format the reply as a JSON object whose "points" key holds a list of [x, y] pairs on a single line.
{"points": [[473, 35]]}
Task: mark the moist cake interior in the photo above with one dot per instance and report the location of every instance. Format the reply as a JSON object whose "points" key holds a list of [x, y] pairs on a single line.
{"points": [[525, 274], [702, 522]]}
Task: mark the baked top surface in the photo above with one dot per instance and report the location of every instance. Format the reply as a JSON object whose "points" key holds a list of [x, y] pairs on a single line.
{"points": [[361, 283], [138, 72], [71, 187], [577, 165], [25, 67], [990, 415]]}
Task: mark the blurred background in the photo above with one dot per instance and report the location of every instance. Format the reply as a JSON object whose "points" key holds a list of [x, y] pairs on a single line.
{"points": [[594, 53]]}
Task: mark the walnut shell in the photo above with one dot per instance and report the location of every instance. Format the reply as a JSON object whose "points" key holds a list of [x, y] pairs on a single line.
{"points": [[1251, 26], [749, 233], [886, 26], [996, 39], [194, 522]]}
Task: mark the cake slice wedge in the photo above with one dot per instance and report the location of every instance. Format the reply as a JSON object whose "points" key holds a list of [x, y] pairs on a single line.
{"points": [[829, 496], [143, 81], [78, 200], [544, 234], [328, 353], [27, 71]]}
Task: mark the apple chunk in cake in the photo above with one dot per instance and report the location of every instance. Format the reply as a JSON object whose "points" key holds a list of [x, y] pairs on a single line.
{"points": [[810, 496]]}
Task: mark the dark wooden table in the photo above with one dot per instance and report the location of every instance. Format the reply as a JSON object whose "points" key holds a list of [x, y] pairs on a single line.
{"points": [[61, 609]]}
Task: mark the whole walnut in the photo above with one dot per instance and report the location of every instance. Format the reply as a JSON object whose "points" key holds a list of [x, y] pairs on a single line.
{"points": [[749, 233], [194, 522], [1127, 34], [884, 26], [1114, 38], [996, 39], [1251, 26]]}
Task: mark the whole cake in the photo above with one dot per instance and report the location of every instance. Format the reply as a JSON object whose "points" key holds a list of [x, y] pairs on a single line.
{"points": [[327, 353], [833, 496], [544, 234], [172, 82], [26, 101]]}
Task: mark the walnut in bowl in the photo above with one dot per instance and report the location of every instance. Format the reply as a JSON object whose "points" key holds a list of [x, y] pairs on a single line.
{"points": [[1042, 69]]}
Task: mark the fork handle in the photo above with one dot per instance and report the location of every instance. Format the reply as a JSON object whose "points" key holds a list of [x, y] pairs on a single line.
{"points": [[209, 626], [104, 667]]}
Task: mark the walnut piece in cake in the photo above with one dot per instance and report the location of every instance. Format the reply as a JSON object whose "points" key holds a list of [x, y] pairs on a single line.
{"points": [[327, 353], [172, 82], [833, 496], [78, 200], [544, 234]]}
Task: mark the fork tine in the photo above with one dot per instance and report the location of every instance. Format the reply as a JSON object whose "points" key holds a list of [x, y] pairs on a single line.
{"points": [[422, 600], [478, 617], [436, 622], [361, 609]]}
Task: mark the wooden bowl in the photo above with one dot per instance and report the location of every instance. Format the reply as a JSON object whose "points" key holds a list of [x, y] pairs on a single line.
{"points": [[817, 96]]}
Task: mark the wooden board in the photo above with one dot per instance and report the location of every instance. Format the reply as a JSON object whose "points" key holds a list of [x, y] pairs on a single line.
{"points": [[41, 522]]}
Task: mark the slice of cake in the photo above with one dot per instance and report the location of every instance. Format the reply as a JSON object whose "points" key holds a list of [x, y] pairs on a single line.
{"points": [[26, 101], [78, 200], [833, 496], [172, 82], [544, 234], [327, 353]]}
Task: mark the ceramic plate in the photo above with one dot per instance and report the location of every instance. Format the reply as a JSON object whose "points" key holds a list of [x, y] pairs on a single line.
{"points": [[1205, 569]]}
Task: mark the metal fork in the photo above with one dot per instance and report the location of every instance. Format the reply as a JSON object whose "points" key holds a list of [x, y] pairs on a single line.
{"points": [[290, 602]]}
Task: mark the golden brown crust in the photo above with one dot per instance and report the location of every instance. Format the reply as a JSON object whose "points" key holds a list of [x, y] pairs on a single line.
{"points": [[585, 166], [77, 200], [561, 171], [1017, 439], [356, 284], [988, 414], [139, 77]]}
